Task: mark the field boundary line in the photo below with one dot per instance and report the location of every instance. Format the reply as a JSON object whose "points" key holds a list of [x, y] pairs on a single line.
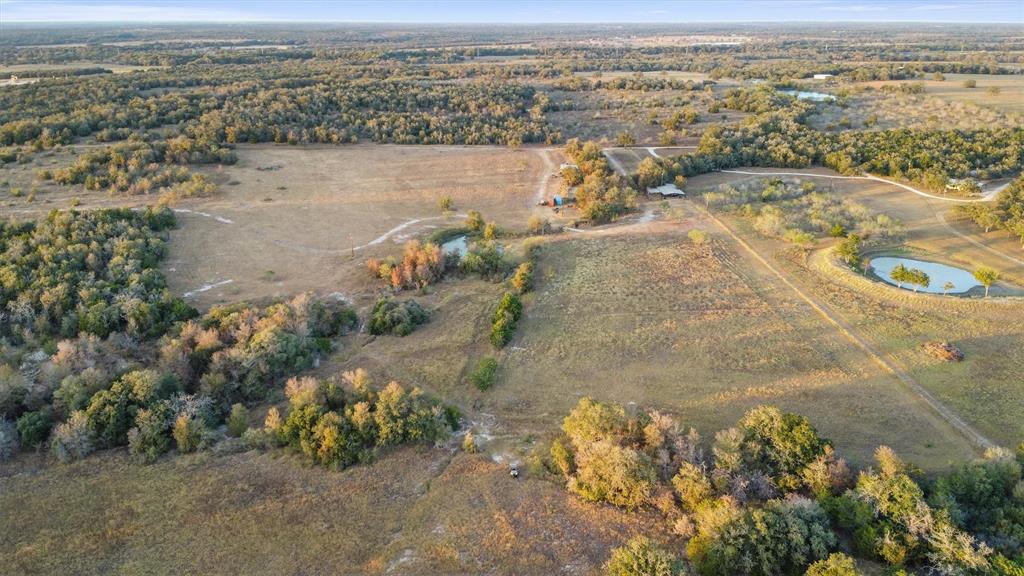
{"points": [[973, 436]]}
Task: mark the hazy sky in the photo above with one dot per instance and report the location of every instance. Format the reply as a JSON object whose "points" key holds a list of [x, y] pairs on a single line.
{"points": [[508, 11]]}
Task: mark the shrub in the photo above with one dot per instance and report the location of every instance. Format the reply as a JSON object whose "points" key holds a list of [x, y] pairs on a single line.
{"points": [[784, 537], [72, 440], [692, 486], [420, 266], [34, 428], [562, 457], [8, 440], [484, 259], [503, 325], [522, 280], [397, 318], [13, 390], [697, 236], [148, 439], [640, 557], [537, 224], [188, 433], [607, 472], [837, 564], [238, 420], [111, 413], [76, 390], [337, 430], [469, 443], [490, 231], [781, 445], [484, 375], [474, 222]]}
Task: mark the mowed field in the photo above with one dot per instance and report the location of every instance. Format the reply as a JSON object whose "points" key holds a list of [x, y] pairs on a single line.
{"points": [[417, 510], [290, 219]]}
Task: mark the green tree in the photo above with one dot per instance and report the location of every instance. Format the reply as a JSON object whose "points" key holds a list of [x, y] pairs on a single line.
{"points": [[986, 276], [837, 564], [34, 428], [484, 375], [641, 557], [849, 250], [238, 420], [474, 221]]}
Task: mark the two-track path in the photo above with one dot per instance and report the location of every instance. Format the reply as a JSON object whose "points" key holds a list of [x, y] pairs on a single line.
{"points": [[976, 438]]}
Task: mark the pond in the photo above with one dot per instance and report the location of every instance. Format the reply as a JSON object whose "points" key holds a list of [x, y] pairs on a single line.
{"points": [[813, 96], [938, 274], [457, 244]]}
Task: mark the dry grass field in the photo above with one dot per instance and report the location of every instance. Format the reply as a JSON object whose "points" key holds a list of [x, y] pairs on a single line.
{"points": [[927, 111], [985, 388], [297, 215], [1009, 99], [417, 510], [700, 333]]}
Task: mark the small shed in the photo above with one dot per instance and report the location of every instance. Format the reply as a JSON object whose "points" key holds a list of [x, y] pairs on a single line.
{"points": [[822, 76], [667, 190]]}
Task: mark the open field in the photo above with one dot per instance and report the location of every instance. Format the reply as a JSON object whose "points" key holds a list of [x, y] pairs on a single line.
{"points": [[982, 388], [1009, 99], [692, 331], [290, 219], [297, 215], [416, 510], [8, 69], [880, 111]]}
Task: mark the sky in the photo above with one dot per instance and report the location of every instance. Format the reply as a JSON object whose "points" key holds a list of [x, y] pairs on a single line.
{"points": [[512, 11]]}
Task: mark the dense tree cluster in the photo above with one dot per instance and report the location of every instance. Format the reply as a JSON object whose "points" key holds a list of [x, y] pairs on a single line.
{"points": [[601, 194], [420, 265], [99, 397], [398, 318], [771, 497], [87, 272], [506, 316], [141, 168], [340, 422], [777, 137]]}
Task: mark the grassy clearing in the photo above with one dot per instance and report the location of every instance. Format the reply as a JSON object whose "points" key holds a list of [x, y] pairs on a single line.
{"points": [[417, 510], [298, 213], [1009, 99], [698, 332], [982, 388]]}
